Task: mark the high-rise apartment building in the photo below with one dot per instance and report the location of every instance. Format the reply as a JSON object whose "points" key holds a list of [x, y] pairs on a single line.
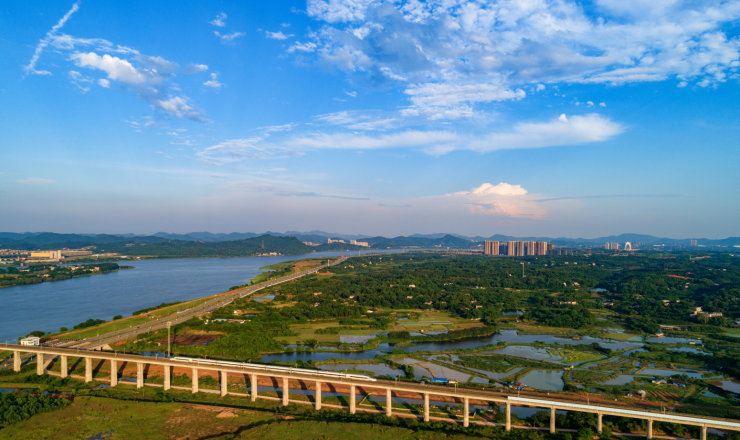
{"points": [[491, 247], [512, 249], [694, 243]]}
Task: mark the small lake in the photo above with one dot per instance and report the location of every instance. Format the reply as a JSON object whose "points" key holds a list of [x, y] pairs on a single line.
{"points": [[547, 380]]}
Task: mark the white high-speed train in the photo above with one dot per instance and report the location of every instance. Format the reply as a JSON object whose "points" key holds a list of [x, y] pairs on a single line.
{"points": [[275, 368]]}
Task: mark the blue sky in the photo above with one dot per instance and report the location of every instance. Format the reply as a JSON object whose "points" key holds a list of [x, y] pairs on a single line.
{"points": [[551, 118]]}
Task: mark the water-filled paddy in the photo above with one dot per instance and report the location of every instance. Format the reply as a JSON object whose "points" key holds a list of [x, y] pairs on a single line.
{"points": [[547, 380], [666, 373], [622, 379], [378, 369]]}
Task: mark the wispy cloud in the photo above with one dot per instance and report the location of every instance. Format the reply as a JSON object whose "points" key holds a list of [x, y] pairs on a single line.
{"points": [[37, 181], [614, 196], [213, 82], [220, 20], [30, 68], [227, 38], [277, 35], [313, 194]]}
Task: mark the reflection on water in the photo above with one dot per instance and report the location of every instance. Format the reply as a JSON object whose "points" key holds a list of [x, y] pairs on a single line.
{"points": [[448, 373], [710, 394], [691, 350], [538, 354], [265, 298]]}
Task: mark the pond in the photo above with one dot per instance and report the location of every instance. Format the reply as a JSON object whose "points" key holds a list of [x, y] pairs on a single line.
{"points": [[710, 394], [378, 369], [622, 379], [510, 336], [494, 375], [448, 373], [513, 312], [691, 350], [359, 339], [538, 354], [547, 380], [666, 373], [671, 340], [408, 361], [265, 298], [730, 385]]}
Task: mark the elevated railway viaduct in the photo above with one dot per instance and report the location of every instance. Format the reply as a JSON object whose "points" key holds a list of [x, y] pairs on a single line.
{"points": [[465, 395]]}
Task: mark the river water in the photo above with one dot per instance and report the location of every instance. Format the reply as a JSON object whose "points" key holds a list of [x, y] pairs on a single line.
{"points": [[49, 306]]}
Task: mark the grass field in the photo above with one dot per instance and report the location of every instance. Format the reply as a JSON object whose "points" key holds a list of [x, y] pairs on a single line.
{"points": [[89, 417]]}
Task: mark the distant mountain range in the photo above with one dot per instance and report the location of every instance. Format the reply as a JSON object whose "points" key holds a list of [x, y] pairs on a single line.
{"points": [[48, 240]]}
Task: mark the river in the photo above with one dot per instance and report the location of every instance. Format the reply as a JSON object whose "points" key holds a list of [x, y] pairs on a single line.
{"points": [[51, 305]]}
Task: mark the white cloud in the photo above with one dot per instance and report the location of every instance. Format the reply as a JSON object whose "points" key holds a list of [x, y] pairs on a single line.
{"points": [[602, 104], [563, 131], [277, 35], [476, 52], [279, 169], [116, 68], [240, 149], [219, 21], [178, 106], [590, 103], [213, 82], [228, 37], [502, 200], [194, 68], [104, 83], [78, 78], [278, 128], [36, 181], [352, 94], [302, 47]]}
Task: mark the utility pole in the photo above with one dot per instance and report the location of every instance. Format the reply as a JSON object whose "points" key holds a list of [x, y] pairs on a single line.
{"points": [[169, 324]]}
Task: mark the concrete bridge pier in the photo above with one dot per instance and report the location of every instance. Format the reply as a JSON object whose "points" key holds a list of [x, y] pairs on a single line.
{"points": [[88, 369], [508, 417], [650, 428], [63, 367], [16, 361], [139, 375], [113, 373], [352, 399], [224, 383], [599, 422], [388, 403], [167, 377], [286, 391], [318, 395], [704, 432], [195, 380], [552, 420], [254, 388], [466, 412], [426, 407], [40, 364]]}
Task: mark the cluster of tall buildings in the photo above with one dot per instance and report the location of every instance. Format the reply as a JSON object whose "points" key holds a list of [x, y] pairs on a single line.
{"points": [[518, 248], [612, 246]]}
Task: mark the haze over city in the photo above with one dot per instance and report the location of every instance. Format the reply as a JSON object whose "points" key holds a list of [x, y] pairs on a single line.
{"points": [[520, 118]]}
